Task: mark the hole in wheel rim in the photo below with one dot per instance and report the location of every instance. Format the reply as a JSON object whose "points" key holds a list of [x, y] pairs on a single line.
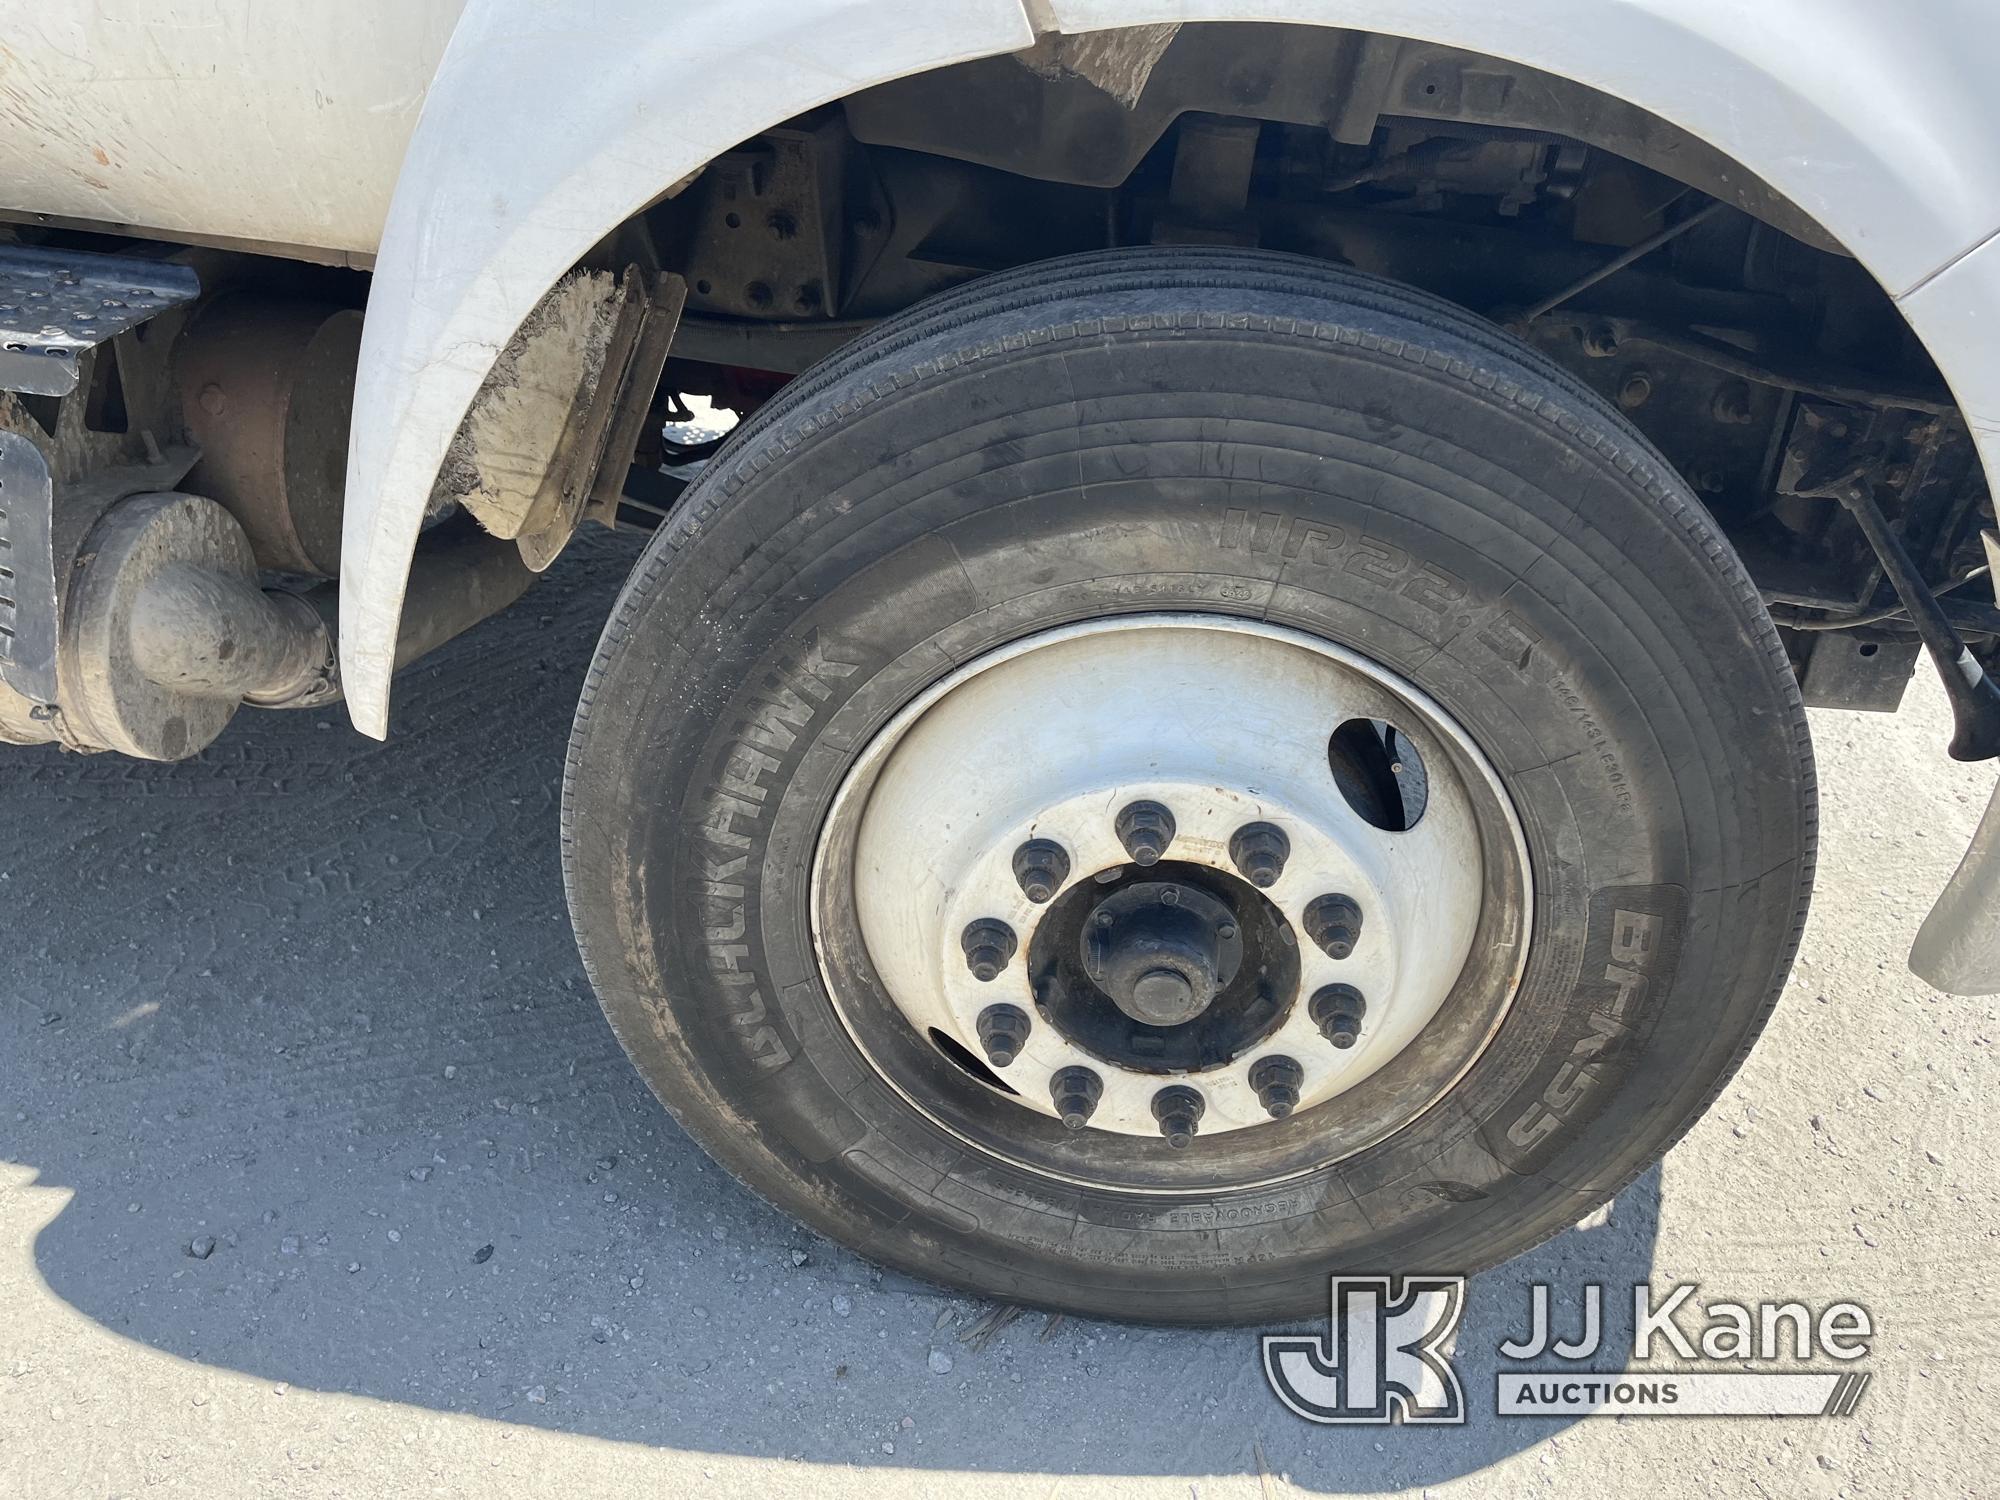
{"points": [[962, 1057], [1379, 773]]}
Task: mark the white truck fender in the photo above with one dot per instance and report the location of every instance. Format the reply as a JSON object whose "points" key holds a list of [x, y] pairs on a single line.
{"points": [[548, 126]]}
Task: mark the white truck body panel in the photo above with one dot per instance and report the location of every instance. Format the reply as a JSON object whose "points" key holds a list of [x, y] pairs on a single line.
{"points": [[542, 127], [270, 123]]}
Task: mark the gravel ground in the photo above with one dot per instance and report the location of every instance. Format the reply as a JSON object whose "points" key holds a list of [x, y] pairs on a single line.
{"points": [[320, 1173]]}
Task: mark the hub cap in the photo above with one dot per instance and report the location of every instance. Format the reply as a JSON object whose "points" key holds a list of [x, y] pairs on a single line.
{"points": [[1143, 814], [1158, 951]]}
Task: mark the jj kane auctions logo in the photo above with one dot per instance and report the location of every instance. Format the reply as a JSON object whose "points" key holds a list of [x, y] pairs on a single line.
{"points": [[1387, 1357]]}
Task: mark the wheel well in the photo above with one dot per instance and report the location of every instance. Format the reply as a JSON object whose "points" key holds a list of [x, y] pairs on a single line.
{"points": [[1739, 322]]}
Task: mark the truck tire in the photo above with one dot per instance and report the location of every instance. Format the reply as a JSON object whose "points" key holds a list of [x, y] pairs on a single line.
{"points": [[1431, 803]]}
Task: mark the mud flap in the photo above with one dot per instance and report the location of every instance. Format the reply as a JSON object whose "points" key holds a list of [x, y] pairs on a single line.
{"points": [[1958, 948]]}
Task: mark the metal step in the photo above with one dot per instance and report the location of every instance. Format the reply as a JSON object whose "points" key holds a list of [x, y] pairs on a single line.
{"points": [[55, 304]]}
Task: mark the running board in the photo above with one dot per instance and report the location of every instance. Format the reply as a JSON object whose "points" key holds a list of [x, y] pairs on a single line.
{"points": [[56, 305]]}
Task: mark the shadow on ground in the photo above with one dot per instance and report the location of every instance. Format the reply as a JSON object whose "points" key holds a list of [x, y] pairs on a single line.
{"points": [[316, 998]]}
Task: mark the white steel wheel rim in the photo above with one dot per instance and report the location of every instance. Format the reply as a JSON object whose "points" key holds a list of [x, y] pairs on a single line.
{"points": [[1225, 722]]}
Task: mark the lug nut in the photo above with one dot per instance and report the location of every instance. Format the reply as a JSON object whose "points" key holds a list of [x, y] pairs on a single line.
{"points": [[1003, 1032], [1336, 1010], [1076, 1092], [1041, 865], [988, 944], [1334, 922], [1277, 1081], [1260, 851], [1145, 829], [1178, 1109]]}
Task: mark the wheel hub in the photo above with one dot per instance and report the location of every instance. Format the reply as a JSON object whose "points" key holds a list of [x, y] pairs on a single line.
{"points": [[1161, 951], [1175, 967]]}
